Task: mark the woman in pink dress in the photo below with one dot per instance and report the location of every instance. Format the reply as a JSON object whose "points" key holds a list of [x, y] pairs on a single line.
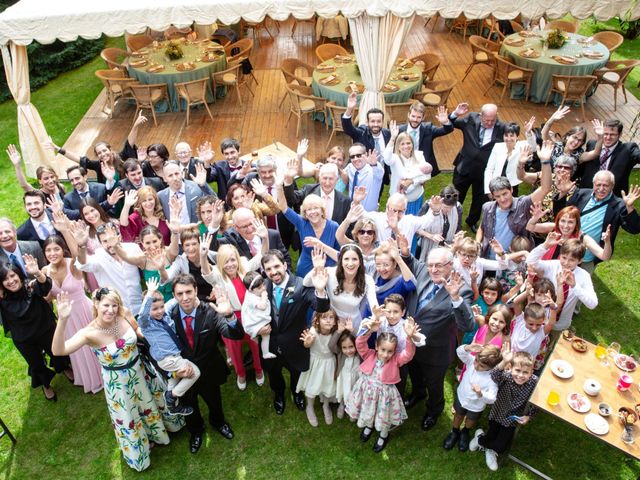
{"points": [[65, 277]]}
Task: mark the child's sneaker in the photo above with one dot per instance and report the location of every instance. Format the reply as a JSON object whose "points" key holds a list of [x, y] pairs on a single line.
{"points": [[181, 410], [491, 458], [474, 445]]}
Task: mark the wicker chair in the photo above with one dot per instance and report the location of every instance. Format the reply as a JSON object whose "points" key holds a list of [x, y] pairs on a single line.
{"points": [[114, 58], [515, 26], [232, 77], [397, 112], [336, 112], [429, 62], [491, 25], [311, 21], [256, 28], [136, 42], [297, 71], [147, 96], [117, 85], [245, 46], [327, 51], [615, 74], [304, 103], [562, 25], [572, 89], [482, 52], [611, 40], [194, 93], [463, 23], [506, 74], [436, 93]]}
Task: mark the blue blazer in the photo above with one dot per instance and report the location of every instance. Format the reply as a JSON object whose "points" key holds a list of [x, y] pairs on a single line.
{"points": [[193, 193], [73, 201]]}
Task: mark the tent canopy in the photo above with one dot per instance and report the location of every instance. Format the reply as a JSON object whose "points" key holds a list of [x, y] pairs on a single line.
{"points": [[66, 20]]}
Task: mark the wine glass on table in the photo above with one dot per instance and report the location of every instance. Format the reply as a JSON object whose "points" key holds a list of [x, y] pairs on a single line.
{"points": [[613, 350]]}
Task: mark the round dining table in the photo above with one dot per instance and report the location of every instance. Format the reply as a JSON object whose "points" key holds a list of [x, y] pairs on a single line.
{"points": [[578, 56], [151, 66]]}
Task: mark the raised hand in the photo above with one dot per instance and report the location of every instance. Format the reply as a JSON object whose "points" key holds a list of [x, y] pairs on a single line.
{"points": [[30, 264], [598, 127], [569, 278], [175, 207], [63, 306], [496, 246], [108, 171], [525, 153], [371, 158], [394, 129], [54, 205], [544, 152], [245, 169], [474, 348], [442, 115], [359, 194], [301, 150], [537, 212], [560, 113], [142, 153], [201, 175], [205, 153], [410, 327], [205, 244], [156, 258], [80, 232], [403, 246], [115, 196], [461, 109], [319, 278], [261, 229], [292, 169], [318, 257], [553, 238], [606, 235], [528, 127], [14, 155], [130, 198], [564, 184], [258, 187], [630, 198], [140, 120], [222, 305], [474, 274], [60, 221], [352, 101], [307, 338], [153, 284], [378, 312], [453, 285], [355, 212]]}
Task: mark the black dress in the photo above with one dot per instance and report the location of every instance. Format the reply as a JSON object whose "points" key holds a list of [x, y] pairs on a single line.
{"points": [[28, 317]]}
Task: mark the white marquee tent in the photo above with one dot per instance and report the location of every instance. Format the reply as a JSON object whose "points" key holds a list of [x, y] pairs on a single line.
{"points": [[378, 29]]}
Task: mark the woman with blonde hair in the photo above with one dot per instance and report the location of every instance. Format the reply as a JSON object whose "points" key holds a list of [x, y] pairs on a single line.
{"points": [[147, 210], [228, 274]]}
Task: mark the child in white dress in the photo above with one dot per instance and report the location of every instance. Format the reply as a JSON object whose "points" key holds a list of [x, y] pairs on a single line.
{"points": [[256, 310], [320, 378], [348, 368]]}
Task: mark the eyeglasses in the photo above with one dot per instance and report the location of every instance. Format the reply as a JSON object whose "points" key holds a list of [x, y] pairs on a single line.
{"points": [[449, 196], [438, 266], [366, 232], [356, 155], [468, 256]]}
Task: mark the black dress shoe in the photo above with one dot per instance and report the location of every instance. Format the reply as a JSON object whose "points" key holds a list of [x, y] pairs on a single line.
{"points": [[196, 442], [365, 434], [428, 422], [380, 444], [412, 400], [451, 440], [299, 401], [225, 431], [54, 398], [463, 444], [278, 405]]}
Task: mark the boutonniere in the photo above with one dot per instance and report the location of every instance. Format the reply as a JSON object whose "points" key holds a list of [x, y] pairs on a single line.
{"points": [[290, 290]]}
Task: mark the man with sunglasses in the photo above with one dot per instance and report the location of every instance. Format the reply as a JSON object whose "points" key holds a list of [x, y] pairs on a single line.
{"points": [[365, 177]]}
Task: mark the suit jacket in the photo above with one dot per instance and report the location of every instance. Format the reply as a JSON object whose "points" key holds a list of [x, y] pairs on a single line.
{"points": [[154, 182], [27, 231], [472, 158], [362, 134], [221, 173], [616, 214], [73, 201], [208, 328], [290, 320], [427, 132], [30, 247], [232, 237], [192, 191], [621, 161], [439, 319], [341, 204]]}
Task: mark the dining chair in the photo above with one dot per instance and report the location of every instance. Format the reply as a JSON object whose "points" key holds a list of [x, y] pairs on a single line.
{"points": [[242, 49], [491, 25], [336, 112], [232, 77], [194, 93], [327, 51], [429, 63], [463, 23], [296, 21], [562, 25], [435, 93], [221, 39], [295, 70], [256, 28], [136, 42], [435, 19], [515, 26], [507, 74], [147, 96], [114, 58], [611, 40], [572, 89], [303, 102], [397, 112], [482, 52], [117, 85], [615, 73]]}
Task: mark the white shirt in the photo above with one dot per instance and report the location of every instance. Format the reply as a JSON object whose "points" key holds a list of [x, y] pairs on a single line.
{"points": [[328, 202], [401, 169], [47, 223], [184, 212], [408, 225], [488, 133], [119, 275], [582, 291], [496, 162], [524, 340], [469, 399]]}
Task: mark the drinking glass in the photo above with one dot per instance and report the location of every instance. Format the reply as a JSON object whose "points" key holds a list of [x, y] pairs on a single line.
{"points": [[601, 354], [554, 398], [613, 350], [627, 435]]}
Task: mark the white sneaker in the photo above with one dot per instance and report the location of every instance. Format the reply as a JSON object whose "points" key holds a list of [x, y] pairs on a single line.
{"points": [[474, 445], [242, 383], [328, 414], [491, 458], [260, 380]]}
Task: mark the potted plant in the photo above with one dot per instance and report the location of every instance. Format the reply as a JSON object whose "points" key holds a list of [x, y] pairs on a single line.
{"points": [[556, 39], [173, 51]]}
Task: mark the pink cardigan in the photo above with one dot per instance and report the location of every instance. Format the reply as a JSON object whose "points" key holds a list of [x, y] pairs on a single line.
{"points": [[391, 369]]}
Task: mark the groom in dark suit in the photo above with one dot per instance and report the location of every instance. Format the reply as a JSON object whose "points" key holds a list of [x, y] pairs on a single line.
{"points": [[290, 302], [440, 305], [199, 326], [480, 133]]}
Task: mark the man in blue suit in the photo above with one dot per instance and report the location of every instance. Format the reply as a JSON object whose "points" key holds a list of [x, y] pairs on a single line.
{"points": [[82, 189], [38, 227], [186, 191]]}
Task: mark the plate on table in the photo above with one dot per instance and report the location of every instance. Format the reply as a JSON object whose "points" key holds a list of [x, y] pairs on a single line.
{"points": [[407, 77], [357, 87], [528, 34], [210, 57], [390, 87], [579, 402], [579, 345], [214, 48], [561, 368], [155, 68], [326, 68], [138, 63], [625, 363], [592, 54], [586, 41], [330, 80], [529, 53], [138, 53], [343, 59], [565, 59], [514, 42], [185, 66], [596, 424]]}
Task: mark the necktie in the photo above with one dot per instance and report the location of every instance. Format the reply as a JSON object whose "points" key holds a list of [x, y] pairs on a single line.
{"points": [[18, 263], [445, 228], [83, 194], [185, 173], [252, 249], [327, 205], [414, 136], [482, 129], [271, 219], [178, 195], [355, 182], [428, 297], [604, 156], [277, 296], [378, 145], [44, 231], [188, 330]]}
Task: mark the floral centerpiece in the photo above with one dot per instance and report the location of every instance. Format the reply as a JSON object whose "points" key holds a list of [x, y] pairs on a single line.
{"points": [[556, 39], [173, 51]]}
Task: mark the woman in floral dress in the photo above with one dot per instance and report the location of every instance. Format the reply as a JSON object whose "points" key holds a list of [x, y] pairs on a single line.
{"points": [[136, 410]]}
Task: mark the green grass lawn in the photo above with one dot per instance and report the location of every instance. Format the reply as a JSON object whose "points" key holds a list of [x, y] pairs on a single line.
{"points": [[73, 438]]}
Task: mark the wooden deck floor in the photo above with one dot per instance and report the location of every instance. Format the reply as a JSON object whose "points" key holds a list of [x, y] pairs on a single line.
{"points": [[259, 121]]}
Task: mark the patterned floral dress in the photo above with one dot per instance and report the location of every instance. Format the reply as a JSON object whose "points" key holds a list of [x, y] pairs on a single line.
{"points": [[135, 404]]}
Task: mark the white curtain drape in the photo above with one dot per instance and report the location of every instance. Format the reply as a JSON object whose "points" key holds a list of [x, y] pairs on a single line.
{"points": [[31, 130], [377, 42]]}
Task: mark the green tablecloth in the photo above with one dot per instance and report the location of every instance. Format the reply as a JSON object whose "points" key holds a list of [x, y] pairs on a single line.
{"points": [[170, 75], [544, 66]]}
